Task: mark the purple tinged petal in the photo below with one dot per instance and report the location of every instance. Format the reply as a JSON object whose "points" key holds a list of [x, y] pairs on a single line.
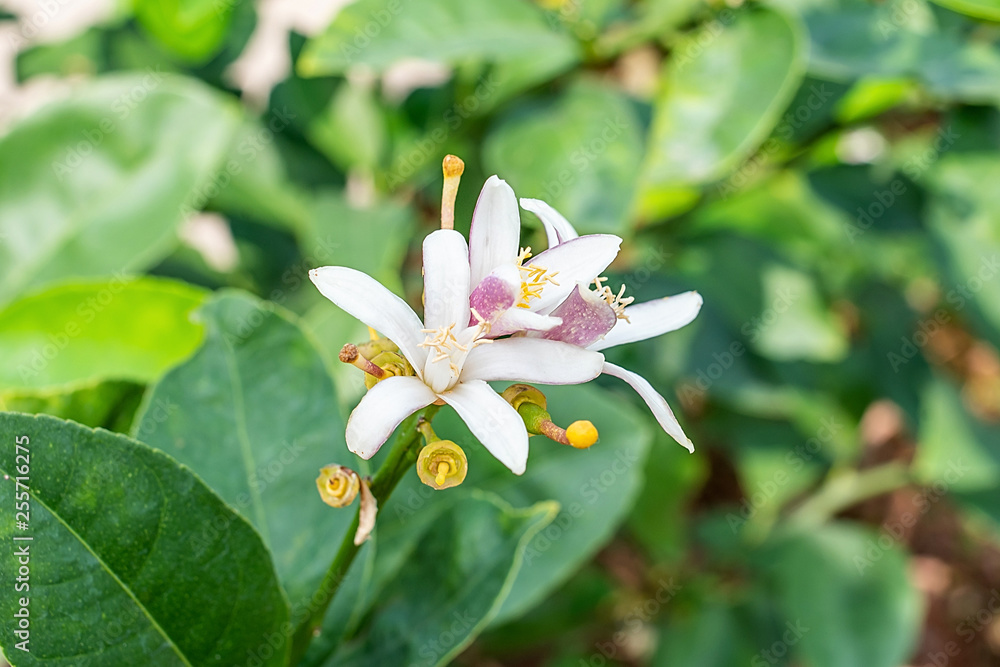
{"points": [[495, 293], [586, 318]]}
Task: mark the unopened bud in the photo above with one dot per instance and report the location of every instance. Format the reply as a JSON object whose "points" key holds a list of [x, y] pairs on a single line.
{"points": [[338, 485]]}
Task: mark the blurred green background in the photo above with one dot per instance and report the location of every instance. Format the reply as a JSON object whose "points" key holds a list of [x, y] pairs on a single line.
{"points": [[825, 172]]}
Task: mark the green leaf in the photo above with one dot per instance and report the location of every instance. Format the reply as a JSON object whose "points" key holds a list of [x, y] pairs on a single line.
{"points": [[193, 30], [77, 334], [120, 572], [452, 583], [88, 170], [378, 33], [980, 9], [846, 593], [722, 94], [594, 488], [255, 414], [712, 635], [963, 220], [578, 152]]}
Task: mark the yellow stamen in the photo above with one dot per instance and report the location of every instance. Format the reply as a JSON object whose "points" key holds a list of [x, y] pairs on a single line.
{"points": [[442, 473], [372, 334], [452, 166], [618, 302]]}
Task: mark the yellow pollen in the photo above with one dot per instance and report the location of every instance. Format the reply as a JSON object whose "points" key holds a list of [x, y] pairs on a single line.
{"points": [[616, 301], [581, 434], [533, 279]]}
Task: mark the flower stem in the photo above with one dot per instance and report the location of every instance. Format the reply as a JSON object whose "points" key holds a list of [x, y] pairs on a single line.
{"points": [[850, 488], [401, 458]]}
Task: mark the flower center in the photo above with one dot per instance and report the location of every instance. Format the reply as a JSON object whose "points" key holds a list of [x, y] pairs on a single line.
{"points": [[446, 346], [616, 301], [533, 279]]}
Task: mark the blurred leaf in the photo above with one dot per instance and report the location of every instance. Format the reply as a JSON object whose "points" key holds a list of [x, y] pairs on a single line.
{"points": [[963, 220], [846, 596], [110, 405], [578, 152], [452, 583], [352, 132], [76, 334], [253, 412], [191, 29], [112, 524], [722, 95], [796, 323], [713, 635], [85, 170], [659, 519], [871, 97], [955, 448], [379, 33], [980, 9]]}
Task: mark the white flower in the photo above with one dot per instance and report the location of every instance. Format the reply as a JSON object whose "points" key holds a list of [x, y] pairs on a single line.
{"points": [[600, 319], [452, 358], [514, 290]]}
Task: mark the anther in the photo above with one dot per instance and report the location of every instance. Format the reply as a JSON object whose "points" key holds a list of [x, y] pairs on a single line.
{"points": [[349, 354], [452, 167]]}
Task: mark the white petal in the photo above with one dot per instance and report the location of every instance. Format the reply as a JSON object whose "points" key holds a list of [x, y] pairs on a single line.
{"points": [[496, 229], [557, 228], [493, 421], [446, 279], [579, 260], [382, 409], [366, 299], [520, 319], [664, 415], [532, 360], [652, 318]]}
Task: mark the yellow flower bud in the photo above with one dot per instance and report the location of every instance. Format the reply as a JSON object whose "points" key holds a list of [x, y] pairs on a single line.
{"points": [[581, 434], [338, 485], [442, 464]]}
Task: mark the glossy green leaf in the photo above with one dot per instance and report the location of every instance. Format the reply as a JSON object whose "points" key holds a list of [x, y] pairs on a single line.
{"points": [[578, 152], [721, 96], [254, 413], [452, 583], [117, 576], [378, 33], [595, 488], [75, 334], [194, 30], [980, 9], [846, 595], [86, 171]]}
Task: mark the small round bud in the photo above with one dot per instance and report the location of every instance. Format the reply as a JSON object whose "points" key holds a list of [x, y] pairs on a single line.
{"points": [[452, 166], [442, 465], [391, 364], [581, 434], [338, 485]]}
